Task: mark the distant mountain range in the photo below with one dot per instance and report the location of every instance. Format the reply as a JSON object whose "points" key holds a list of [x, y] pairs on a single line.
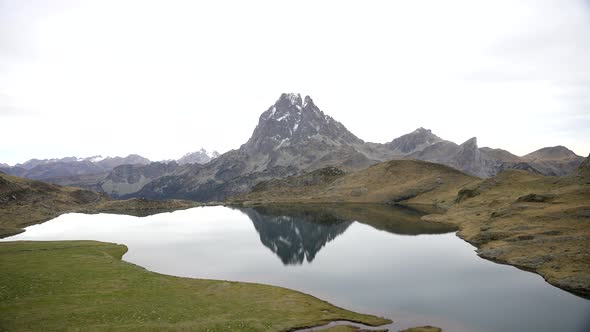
{"points": [[293, 136], [44, 169], [115, 176]]}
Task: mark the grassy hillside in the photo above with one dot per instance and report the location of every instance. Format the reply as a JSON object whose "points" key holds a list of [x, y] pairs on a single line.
{"points": [[84, 285], [535, 222], [24, 202], [408, 181]]}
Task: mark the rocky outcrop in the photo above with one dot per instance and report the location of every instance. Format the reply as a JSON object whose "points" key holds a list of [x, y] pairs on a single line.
{"points": [[470, 159], [294, 131], [198, 157], [418, 140]]}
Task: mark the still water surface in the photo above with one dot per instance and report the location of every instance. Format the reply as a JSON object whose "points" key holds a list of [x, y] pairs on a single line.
{"points": [[372, 259]]}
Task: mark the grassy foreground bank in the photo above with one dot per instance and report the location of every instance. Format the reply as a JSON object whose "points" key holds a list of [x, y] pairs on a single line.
{"points": [[84, 285]]}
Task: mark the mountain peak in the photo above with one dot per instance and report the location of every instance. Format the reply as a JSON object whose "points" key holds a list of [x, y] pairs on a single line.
{"points": [[292, 98], [293, 119], [198, 157], [414, 141], [422, 130], [552, 153], [471, 143]]}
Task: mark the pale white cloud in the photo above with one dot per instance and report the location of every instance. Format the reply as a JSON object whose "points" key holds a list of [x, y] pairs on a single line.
{"points": [[162, 78]]}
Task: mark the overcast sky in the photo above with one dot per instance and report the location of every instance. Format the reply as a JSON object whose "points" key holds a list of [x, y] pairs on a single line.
{"points": [[168, 77]]}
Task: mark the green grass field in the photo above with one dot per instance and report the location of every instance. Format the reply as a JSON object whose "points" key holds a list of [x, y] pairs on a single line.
{"points": [[84, 285]]}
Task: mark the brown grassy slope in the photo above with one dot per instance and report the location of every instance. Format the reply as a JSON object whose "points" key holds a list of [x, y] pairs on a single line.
{"points": [[535, 222], [24, 202], [410, 181]]}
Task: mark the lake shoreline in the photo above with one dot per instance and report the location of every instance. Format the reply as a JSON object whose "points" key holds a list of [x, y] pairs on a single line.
{"points": [[329, 222], [22, 259]]}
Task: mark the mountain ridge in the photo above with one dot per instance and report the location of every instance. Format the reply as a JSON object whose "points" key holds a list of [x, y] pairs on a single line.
{"points": [[45, 169], [294, 136]]}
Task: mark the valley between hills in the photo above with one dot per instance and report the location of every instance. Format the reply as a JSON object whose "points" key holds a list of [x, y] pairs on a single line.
{"points": [[532, 212]]}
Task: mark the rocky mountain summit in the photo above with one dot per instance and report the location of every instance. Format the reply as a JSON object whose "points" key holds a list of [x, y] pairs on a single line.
{"points": [[414, 141], [295, 132], [293, 120], [294, 136], [198, 157]]}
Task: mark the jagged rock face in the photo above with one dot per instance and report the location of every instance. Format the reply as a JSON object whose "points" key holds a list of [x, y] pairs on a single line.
{"points": [[198, 157], [441, 152], [293, 120], [295, 132], [414, 141], [473, 161]]}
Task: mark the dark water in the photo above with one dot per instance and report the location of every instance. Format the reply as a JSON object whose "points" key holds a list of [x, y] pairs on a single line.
{"points": [[372, 259]]}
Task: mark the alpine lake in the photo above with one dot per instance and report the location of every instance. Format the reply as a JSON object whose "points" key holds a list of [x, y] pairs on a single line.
{"points": [[368, 258]]}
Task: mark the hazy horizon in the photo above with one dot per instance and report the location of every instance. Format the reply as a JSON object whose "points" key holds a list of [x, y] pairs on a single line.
{"points": [[160, 79], [209, 151]]}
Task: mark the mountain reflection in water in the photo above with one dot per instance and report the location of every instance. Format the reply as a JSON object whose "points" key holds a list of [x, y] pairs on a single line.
{"points": [[298, 233], [370, 261]]}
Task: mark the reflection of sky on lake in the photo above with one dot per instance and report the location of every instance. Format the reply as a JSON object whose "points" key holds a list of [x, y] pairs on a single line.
{"points": [[424, 279]]}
